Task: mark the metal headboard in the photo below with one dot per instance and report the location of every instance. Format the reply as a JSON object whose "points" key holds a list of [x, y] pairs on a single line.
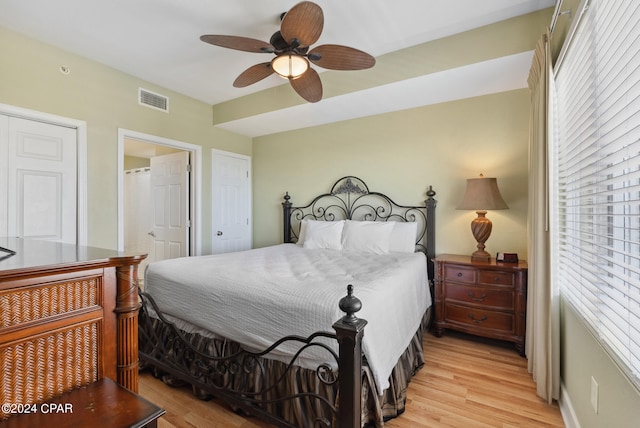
{"points": [[351, 199]]}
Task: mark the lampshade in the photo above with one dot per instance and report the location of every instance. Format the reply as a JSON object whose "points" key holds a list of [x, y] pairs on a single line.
{"points": [[482, 194], [290, 66]]}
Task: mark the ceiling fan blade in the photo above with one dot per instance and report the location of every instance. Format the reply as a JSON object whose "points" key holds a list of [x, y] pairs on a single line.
{"points": [[308, 86], [253, 74], [337, 57], [303, 22], [246, 44]]}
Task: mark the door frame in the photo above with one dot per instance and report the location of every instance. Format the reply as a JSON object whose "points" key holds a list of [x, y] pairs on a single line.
{"points": [[80, 126], [214, 154], [195, 184]]}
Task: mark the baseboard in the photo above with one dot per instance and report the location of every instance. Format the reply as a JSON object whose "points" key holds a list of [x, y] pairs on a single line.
{"points": [[566, 409]]}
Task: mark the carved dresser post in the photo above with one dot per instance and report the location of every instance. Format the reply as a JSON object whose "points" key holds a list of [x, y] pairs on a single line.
{"points": [[349, 330], [127, 306]]}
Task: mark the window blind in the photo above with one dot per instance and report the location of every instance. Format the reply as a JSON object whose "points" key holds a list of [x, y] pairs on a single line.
{"points": [[597, 177]]}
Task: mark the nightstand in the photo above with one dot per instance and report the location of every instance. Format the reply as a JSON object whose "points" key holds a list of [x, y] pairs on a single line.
{"points": [[486, 299]]}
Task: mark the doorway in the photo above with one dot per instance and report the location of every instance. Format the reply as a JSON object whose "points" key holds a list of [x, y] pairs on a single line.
{"points": [[156, 202], [135, 151]]}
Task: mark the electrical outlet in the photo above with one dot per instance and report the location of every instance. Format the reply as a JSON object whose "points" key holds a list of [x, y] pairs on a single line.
{"points": [[594, 394]]}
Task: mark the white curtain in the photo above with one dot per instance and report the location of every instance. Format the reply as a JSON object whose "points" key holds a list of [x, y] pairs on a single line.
{"points": [[542, 338], [137, 213]]}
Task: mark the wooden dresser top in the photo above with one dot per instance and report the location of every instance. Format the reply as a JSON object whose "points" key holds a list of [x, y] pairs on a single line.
{"points": [[34, 255]]}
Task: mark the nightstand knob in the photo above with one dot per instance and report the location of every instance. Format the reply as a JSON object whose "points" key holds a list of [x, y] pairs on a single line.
{"points": [[459, 274]]}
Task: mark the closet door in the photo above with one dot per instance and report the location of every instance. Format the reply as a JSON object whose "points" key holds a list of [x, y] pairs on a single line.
{"points": [[231, 202], [40, 190]]}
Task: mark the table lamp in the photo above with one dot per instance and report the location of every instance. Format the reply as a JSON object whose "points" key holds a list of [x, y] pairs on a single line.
{"points": [[482, 194]]}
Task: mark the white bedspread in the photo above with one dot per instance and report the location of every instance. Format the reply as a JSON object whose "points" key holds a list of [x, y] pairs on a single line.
{"points": [[255, 297]]}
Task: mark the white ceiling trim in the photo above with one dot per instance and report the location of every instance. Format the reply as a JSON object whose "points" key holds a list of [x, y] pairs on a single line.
{"points": [[483, 78]]}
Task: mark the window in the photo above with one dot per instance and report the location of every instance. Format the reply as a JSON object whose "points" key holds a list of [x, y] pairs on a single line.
{"points": [[597, 177]]}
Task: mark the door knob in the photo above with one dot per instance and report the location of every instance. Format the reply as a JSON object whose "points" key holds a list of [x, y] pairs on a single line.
{"points": [[151, 234], [219, 233]]}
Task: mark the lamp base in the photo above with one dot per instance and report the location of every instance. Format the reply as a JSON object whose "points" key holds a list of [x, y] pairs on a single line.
{"points": [[481, 229], [480, 256]]}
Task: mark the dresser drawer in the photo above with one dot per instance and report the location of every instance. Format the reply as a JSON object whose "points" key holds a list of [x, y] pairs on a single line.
{"points": [[49, 297], [496, 277], [481, 296], [460, 274], [480, 318]]}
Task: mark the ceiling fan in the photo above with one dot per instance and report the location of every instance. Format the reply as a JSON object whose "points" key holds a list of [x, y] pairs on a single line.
{"points": [[301, 26]]}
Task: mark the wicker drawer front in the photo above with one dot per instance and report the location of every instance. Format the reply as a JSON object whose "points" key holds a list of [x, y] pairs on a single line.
{"points": [[479, 318], [38, 302], [496, 277], [42, 367], [480, 296], [460, 274]]}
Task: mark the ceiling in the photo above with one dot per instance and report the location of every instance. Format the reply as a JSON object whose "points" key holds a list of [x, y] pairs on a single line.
{"points": [[158, 41]]}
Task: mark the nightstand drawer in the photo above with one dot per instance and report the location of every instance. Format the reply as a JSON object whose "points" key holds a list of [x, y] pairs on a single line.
{"points": [[480, 318], [496, 277], [480, 296], [460, 274]]}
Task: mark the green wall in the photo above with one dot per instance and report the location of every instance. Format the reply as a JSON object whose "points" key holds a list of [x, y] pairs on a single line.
{"points": [[106, 100], [582, 358], [401, 154]]}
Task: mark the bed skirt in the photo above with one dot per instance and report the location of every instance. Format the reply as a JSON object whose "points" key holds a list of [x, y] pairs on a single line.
{"points": [[304, 410]]}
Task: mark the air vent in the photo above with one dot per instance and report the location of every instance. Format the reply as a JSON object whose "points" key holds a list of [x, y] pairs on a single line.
{"points": [[153, 100]]}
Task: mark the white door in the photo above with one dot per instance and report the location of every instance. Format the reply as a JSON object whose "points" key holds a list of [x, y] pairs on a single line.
{"points": [[39, 189], [170, 201], [231, 202]]}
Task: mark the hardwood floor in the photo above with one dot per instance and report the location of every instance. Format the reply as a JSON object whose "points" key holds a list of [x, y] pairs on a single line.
{"points": [[466, 382]]}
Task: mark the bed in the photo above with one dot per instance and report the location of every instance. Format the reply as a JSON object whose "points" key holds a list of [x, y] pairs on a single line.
{"points": [[254, 328]]}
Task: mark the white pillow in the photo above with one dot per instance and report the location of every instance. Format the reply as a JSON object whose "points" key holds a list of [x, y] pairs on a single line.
{"points": [[367, 236], [323, 234], [403, 237]]}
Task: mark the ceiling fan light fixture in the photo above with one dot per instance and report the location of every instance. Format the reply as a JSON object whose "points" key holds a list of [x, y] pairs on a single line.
{"points": [[290, 66]]}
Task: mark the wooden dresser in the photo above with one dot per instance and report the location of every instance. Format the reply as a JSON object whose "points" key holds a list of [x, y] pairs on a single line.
{"points": [[68, 317], [487, 299]]}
